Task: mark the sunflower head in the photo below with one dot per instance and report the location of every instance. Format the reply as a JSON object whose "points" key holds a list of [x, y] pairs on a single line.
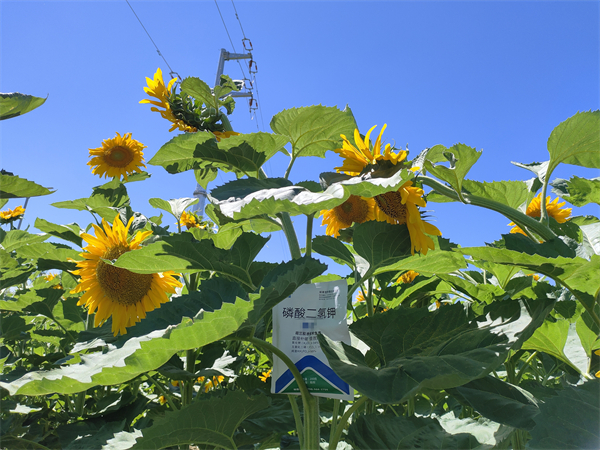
{"points": [[354, 210], [401, 207], [358, 156], [408, 277], [112, 291], [553, 208], [119, 156], [10, 215]]}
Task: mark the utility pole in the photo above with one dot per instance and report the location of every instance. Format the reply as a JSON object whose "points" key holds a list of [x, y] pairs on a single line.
{"points": [[228, 56]]}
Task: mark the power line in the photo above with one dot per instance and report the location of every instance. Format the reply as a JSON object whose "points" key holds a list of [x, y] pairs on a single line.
{"points": [[156, 46], [238, 18]]}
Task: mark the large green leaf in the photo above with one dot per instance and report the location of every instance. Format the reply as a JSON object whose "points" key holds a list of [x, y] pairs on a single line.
{"points": [[578, 191], [461, 159], [485, 293], [488, 433], [11, 186], [208, 423], [560, 340], [246, 152], [314, 129], [510, 193], [576, 141], [198, 89], [376, 432], [437, 350], [252, 201], [330, 246], [178, 155], [137, 353], [569, 419], [68, 232], [181, 254], [16, 104], [173, 206], [576, 274], [499, 401], [50, 256], [381, 244], [15, 239], [104, 201]]}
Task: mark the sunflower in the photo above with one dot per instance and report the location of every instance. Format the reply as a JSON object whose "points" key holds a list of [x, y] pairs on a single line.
{"points": [[219, 135], [356, 159], [265, 376], [216, 380], [408, 277], [354, 210], [112, 291], [189, 221], [11, 215], [552, 207], [398, 207], [157, 89], [118, 156]]}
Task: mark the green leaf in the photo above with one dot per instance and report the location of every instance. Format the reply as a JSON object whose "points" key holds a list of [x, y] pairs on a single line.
{"points": [[15, 239], [490, 434], [376, 432], [198, 89], [68, 232], [510, 193], [333, 248], [135, 353], [50, 256], [11, 186], [578, 191], [246, 152], [436, 350], [461, 160], [381, 244], [540, 169], [552, 337], [208, 423], [499, 401], [314, 129], [173, 206], [16, 104], [576, 141], [297, 200], [576, 274], [179, 154], [181, 254], [485, 293], [569, 420]]}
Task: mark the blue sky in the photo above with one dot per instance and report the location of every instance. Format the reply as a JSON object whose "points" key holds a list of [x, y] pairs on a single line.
{"points": [[498, 76]]}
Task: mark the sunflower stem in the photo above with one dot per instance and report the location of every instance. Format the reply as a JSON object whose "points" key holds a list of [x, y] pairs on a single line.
{"points": [[310, 403], [162, 390], [543, 211], [369, 297], [333, 442], [297, 419], [522, 220], [290, 234], [309, 227], [289, 168], [190, 366]]}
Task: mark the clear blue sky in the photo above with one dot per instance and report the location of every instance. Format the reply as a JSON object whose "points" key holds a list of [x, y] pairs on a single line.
{"points": [[498, 76]]}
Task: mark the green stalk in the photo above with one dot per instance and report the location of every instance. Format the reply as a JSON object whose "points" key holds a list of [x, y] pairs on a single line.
{"points": [[162, 390], [297, 419], [309, 227], [190, 366], [333, 442], [289, 168], [310, 403], [290, 234], [334, 415], [517, 217], [369, 298], [80, 403]]}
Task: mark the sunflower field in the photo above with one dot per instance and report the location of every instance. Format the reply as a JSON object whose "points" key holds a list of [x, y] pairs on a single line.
{"points": [[126, 334]]}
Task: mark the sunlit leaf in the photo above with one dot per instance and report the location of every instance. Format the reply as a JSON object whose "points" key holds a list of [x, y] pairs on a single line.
{"points": [[461, 159], [11, 186], [333, 248], [314, 129], [68, 232], [50, 256], [178, 155], [173, 206], [576, 141], [15, 239], [16, 104], [578, 191], [181, 254]]}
